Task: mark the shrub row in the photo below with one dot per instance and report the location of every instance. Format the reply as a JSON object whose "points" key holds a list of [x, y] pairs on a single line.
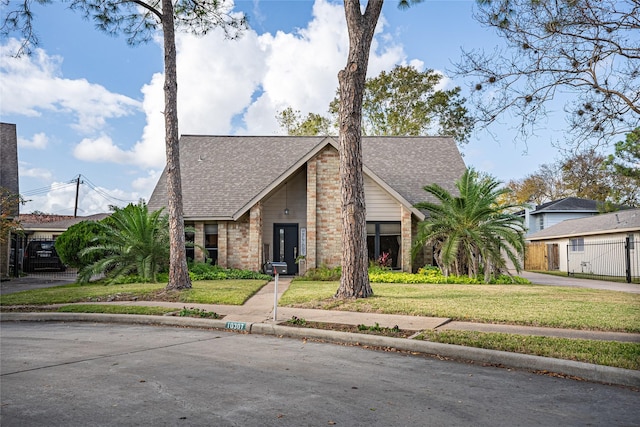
{"points": [[428, 274]]}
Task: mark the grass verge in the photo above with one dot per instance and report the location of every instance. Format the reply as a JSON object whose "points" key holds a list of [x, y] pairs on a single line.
{"points": [[115, 309], [228, 292], [533, 305], [608, 353]]}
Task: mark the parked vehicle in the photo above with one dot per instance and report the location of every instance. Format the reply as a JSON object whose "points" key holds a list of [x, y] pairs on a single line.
{"points": [[42, 255]]}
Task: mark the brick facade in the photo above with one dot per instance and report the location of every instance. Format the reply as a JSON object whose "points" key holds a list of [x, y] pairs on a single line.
{"points": [[255, 238], [328, 214], [405, 246], [311, 257], [238, 252]]}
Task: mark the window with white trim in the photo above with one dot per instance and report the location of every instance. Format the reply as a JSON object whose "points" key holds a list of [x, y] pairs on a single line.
{"points": [[576, 245]]}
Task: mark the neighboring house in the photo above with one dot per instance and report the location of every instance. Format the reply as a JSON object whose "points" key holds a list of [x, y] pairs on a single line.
{"points": [[49, 227], [551, 213], [253, 199], [9, 183], [603, 245]]}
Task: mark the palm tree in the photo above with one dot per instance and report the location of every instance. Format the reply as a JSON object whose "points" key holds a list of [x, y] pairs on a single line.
{"points": [[132, 241], [472, 231]]}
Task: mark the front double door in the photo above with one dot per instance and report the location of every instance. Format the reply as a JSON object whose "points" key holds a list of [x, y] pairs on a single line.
{"points": [[285, 245]]}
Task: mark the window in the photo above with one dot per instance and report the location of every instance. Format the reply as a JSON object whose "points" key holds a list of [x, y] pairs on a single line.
{"points": [[384, 237], [631, 241], [576, 245], [189, 239], [211, 242], [541, 223]]}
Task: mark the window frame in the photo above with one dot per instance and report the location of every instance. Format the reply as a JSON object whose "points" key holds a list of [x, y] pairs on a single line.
{"points": [[576, 244]]}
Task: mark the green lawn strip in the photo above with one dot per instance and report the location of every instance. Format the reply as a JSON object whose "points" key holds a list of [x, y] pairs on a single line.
{"points": [[231, 292], [227, 292], [609, 353], [115, 309], [533, 305]]}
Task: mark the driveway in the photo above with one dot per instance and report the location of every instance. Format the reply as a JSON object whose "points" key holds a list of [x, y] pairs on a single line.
{"points": [[81, 374], [549, 279]]}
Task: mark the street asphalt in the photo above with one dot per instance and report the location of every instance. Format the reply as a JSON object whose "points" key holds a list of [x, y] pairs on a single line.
{"points": [[96, 374], [256, 316]]}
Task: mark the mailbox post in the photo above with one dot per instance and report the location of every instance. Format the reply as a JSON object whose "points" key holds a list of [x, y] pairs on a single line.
{"points": [[276, 268]]}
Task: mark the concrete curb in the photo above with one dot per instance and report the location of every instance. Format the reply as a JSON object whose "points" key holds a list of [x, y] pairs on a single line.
{"points": [[587, 371]]}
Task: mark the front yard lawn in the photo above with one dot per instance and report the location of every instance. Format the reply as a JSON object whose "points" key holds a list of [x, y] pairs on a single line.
{"points": [[228, 292], [534, 305]]}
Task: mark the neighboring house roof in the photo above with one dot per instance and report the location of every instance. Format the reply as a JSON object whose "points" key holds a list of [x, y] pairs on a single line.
{"points": [[568, 204], [223, 176], [624, 221], [34, 222]]}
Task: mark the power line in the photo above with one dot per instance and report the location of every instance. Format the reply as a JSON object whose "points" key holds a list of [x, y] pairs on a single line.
{"points": [[77, 181]]}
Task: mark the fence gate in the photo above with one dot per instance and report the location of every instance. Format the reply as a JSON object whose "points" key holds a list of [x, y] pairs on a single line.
{"points": [[609, 260], [536, 257], [553, 256]]}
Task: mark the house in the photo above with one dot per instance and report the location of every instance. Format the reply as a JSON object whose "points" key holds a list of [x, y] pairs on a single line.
{"points": [[9, 186], [601, 245], [253, 199], [551, 213], [50, 227]]}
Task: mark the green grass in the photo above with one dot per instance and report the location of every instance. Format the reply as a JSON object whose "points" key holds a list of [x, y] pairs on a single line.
{"points": [[534, 305], [231, 292], [115, 309], [608, 353]]}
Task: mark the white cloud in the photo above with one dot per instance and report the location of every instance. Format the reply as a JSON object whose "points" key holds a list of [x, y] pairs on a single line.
{"points": [[237, 87], [145, 185], [101, 149], [38, 173], [39, 141], [32, 85], [224, 87], [60, 199]]}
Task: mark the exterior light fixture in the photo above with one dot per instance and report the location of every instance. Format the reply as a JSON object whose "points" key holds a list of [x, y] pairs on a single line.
{"points": [[286, 209]]}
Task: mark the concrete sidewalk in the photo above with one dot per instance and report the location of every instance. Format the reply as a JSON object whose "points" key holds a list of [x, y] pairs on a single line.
{"points": [[260, 309]]}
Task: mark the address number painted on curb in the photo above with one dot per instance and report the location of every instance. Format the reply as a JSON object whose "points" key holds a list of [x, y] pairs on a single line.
{"points": [[236, 326]]}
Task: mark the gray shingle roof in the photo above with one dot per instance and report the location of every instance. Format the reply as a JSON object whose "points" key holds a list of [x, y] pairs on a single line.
{"points": [[62, 224], [623, 221], [571, 204], [221, 175]]}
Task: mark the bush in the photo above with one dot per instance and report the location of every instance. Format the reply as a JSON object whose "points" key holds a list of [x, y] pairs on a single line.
{"points": [[206, 271], [76, 238], [430, 274], [322, 273]]}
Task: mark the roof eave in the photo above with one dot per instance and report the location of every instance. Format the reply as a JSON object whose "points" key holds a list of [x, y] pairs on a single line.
{"points": [[404, 202], [589, 233]]}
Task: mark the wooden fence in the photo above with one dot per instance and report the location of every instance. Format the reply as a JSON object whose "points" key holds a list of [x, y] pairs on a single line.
{"points": [[542, 257]]}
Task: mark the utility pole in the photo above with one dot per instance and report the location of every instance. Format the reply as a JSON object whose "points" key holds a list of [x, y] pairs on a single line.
{"points": [[75, 210]]}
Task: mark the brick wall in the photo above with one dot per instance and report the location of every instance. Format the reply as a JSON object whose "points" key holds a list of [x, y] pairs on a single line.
{"points": [[425, 256], [405, 224], [238, 253], [198, 241], [328, 216], [255, 238], [311, 257]]}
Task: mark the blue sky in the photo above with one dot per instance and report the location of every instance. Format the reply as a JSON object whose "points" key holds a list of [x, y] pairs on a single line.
{"points": [[87, 103]]}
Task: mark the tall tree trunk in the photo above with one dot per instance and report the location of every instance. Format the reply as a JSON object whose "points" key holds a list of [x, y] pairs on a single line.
{"points": [[178, 271], [355, 279]]}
